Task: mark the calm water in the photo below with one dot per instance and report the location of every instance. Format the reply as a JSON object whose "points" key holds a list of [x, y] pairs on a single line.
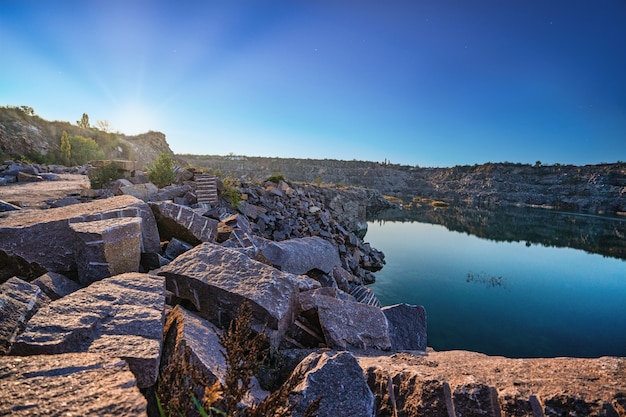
{"points": [[510, 298]]}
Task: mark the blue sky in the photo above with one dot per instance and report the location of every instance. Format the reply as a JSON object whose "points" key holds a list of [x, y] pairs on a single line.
{"points": [[429, 83]]}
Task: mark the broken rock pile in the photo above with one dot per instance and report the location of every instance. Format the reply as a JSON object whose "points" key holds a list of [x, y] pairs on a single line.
{"points": [[125, 299]]}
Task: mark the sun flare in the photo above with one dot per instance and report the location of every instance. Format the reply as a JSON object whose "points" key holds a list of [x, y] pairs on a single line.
{"points": [[134, 118]]}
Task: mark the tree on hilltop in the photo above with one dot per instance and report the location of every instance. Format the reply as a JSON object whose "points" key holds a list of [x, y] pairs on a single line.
{"points": [[84, 121]]}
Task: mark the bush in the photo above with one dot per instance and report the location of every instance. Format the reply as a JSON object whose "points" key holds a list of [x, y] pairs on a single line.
{"points": [[84, 150], [231, 191], [161, 173], [100, 177], [276, 178]]}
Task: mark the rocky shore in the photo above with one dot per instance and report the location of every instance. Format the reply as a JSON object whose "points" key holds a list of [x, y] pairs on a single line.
{"points": [[111, 298]]}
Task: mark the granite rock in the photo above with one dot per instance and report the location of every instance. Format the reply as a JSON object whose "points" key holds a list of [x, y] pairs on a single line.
{"points": [[121, 316]]}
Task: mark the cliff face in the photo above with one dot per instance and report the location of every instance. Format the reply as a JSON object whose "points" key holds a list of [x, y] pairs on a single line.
{"points": [[25, 134], [599, 189]]}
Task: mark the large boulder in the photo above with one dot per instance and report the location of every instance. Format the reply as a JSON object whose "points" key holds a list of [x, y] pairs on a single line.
{"points": [[73, 384], [467, 383], [19, 301], [33, 242], [183, 223], [338, 380], [301, 255], [107, 247], [120, 316], [216, 280], [407, 326], [344, 322]]}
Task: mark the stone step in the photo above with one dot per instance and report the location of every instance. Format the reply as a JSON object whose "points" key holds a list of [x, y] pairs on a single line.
{"points": [[206, 189]]}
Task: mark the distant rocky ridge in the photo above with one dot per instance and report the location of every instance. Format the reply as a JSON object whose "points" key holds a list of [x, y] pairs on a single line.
{"points": [[597, 189]]}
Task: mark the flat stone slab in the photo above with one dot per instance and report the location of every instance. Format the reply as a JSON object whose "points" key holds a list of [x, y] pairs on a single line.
{"points": [[121, 316], [72, 384], [469, 383], [217, 280]]}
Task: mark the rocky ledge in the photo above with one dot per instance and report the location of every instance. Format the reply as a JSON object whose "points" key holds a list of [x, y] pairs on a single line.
{"points": [[106, 305]]}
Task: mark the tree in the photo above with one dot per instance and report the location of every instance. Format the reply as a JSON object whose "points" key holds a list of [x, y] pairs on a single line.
{"points": [[84, 121], [103, 125], [66, 149], [84, 150], [28, 110], [161, 173]]}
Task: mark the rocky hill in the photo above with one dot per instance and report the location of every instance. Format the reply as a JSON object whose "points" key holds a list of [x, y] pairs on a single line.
{"points": [[598, 189], [24, 134]]}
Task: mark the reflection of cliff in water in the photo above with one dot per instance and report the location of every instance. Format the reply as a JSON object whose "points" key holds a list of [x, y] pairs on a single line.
{"points": [[595, 234]]}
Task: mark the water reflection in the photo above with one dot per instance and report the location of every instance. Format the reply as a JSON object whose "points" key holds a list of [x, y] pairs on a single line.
{"points": [[486, 288], [594, 234], [485, 279]]}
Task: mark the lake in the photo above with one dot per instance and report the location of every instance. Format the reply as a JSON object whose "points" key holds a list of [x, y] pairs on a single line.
{"points": [[510, 282]]}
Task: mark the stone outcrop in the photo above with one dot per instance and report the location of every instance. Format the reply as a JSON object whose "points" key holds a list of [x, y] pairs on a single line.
{"points": [[79, 384], [467, 383], [121, 316], [218, 280], [23, 133], [35, 242]]}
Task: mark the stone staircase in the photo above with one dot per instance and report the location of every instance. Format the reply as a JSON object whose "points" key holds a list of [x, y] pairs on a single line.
{"points": [[206, 189]]}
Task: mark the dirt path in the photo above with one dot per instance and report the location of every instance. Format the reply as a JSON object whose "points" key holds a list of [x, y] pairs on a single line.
{"points": [[34, 194]]}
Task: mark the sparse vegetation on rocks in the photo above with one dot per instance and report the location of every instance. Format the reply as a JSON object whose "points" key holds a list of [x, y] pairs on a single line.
{"points": [[161, 173]]}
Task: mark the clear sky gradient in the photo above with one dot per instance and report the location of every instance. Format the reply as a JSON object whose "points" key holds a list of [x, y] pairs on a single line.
{"points": [[418, 82]]}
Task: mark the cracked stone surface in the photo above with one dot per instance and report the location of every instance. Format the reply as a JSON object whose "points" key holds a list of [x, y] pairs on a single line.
{"points": [[120, 316], [72, 384]]}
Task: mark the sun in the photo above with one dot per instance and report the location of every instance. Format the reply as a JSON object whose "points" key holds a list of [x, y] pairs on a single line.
{"points": [[135, 118]]}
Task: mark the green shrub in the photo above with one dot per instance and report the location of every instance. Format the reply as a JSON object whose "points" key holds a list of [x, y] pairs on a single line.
{"points": [[100, 177], [276, 178], [231, 191], [161, 173], [34, 157], [84, 150]]}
